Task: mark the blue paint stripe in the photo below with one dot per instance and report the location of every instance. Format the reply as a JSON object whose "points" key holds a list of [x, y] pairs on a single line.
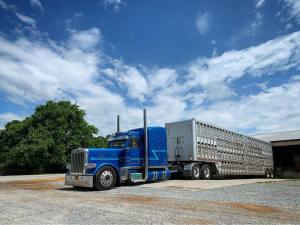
{"points": [[103, 158]]}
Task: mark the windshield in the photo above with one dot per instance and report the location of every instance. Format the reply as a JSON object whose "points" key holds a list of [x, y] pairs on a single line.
{"points": [[117, 144]]}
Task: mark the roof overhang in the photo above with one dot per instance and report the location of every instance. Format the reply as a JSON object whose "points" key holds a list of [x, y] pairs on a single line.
{"points": [[285, 143]]}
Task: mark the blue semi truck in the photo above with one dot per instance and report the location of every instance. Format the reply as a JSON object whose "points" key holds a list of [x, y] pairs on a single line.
{"points": [[138, 155], [190, 148]]}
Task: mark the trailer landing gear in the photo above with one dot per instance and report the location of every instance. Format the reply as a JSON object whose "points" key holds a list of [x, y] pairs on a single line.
{"points": [[271, 173]]}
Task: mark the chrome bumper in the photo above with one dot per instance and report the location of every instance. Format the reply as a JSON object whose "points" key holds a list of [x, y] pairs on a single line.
{"points": [[85, 180]]}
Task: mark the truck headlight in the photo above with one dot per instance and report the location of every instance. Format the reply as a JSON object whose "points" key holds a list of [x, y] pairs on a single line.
{"points": [[68, 166], [90, 165]]}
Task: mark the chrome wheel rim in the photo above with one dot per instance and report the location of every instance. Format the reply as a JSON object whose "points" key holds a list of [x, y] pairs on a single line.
{"points": [[106, 178], [196, 172], [206, 172]]}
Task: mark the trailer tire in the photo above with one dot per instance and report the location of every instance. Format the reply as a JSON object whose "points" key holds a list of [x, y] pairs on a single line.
{"points": [[271, 173], [105, 178], [196, 172], [205, 172], [267, 173]]}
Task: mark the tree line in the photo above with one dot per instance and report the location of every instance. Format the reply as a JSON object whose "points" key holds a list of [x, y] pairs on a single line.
{"points": [[42, 143]]}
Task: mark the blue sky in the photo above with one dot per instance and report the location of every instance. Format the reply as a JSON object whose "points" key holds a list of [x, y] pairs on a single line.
{"points": [[235, 64]]}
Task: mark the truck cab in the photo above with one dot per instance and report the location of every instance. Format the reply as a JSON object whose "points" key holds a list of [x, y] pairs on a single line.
{"points": [[129, 157]]}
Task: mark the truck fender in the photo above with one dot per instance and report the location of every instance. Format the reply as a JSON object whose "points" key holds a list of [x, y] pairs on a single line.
{"points": [[108, 164]]}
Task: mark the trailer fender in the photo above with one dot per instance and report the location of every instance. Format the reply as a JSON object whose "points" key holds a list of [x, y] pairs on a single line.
{"points": [[188, 170]]}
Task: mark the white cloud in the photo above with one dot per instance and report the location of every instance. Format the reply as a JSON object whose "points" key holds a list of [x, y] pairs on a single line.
{"points": [[10, 116], [78, 15], [274, 109], [254, 61], [203, 23], [115, 3], [112, 46], [85, 39], [77, 70], [21, 29], [26, 19], [161, 78], [128, 78], [43, 73], [288, 26], [263, 85], [259, 3], [215, 54], [290, 11], [294, 9], [7, 6], [3, 4], [257, 22], [250, 29], [37, 3], [297, 77], [7, 117]]}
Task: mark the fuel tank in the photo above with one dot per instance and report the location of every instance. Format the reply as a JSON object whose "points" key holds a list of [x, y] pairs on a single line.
{"points": [[158, 174]]}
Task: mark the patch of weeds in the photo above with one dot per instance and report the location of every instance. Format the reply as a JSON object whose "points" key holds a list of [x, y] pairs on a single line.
{"points": [[265, 182], [289, 180]]}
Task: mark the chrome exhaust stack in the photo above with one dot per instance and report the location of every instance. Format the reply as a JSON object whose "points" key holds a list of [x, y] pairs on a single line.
{"points": [[118, 123], [145, 146]]}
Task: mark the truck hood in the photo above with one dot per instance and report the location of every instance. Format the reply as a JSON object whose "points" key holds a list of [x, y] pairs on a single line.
{"points": [[100, 154]]}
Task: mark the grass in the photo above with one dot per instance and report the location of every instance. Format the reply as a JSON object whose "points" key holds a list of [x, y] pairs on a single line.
{"points": [[288, 180], [266, 182]]}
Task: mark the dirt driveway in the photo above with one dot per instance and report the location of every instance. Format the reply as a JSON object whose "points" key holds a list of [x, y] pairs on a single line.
{"points": [[45, 199]]}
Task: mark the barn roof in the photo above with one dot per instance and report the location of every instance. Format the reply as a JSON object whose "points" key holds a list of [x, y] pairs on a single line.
{"points": [[280, 136]]}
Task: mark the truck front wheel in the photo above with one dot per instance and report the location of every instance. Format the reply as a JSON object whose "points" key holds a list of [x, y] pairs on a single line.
{"points": [[206, 172], [105, 178]]}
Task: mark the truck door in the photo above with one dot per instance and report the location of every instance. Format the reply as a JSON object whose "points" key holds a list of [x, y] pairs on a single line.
{"points": [[135, 151], [163, 156]]}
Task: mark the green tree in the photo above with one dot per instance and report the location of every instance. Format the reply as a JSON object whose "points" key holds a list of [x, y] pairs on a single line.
{"points": [[42, 143], [99, 142]]}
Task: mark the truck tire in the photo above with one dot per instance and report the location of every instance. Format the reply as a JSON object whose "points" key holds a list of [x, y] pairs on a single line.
{"points": [[105, 178], [267, 173], [205, 172], [271, 174], [196, 172]]}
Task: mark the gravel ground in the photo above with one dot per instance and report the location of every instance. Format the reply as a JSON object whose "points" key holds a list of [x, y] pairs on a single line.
{"points": [[48, 200]]}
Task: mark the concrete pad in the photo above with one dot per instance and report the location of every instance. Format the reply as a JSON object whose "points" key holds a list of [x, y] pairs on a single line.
{"points": [[29, 177], [196, 185]]}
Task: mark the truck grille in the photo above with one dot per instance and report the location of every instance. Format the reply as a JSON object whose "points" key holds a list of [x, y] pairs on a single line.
{"points": [[78, 160]]}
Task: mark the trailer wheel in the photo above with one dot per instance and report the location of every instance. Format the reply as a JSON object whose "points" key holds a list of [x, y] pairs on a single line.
{"points": [[196, 172], [271, 173], [105, 178], [205, 172], [267, 173]]}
